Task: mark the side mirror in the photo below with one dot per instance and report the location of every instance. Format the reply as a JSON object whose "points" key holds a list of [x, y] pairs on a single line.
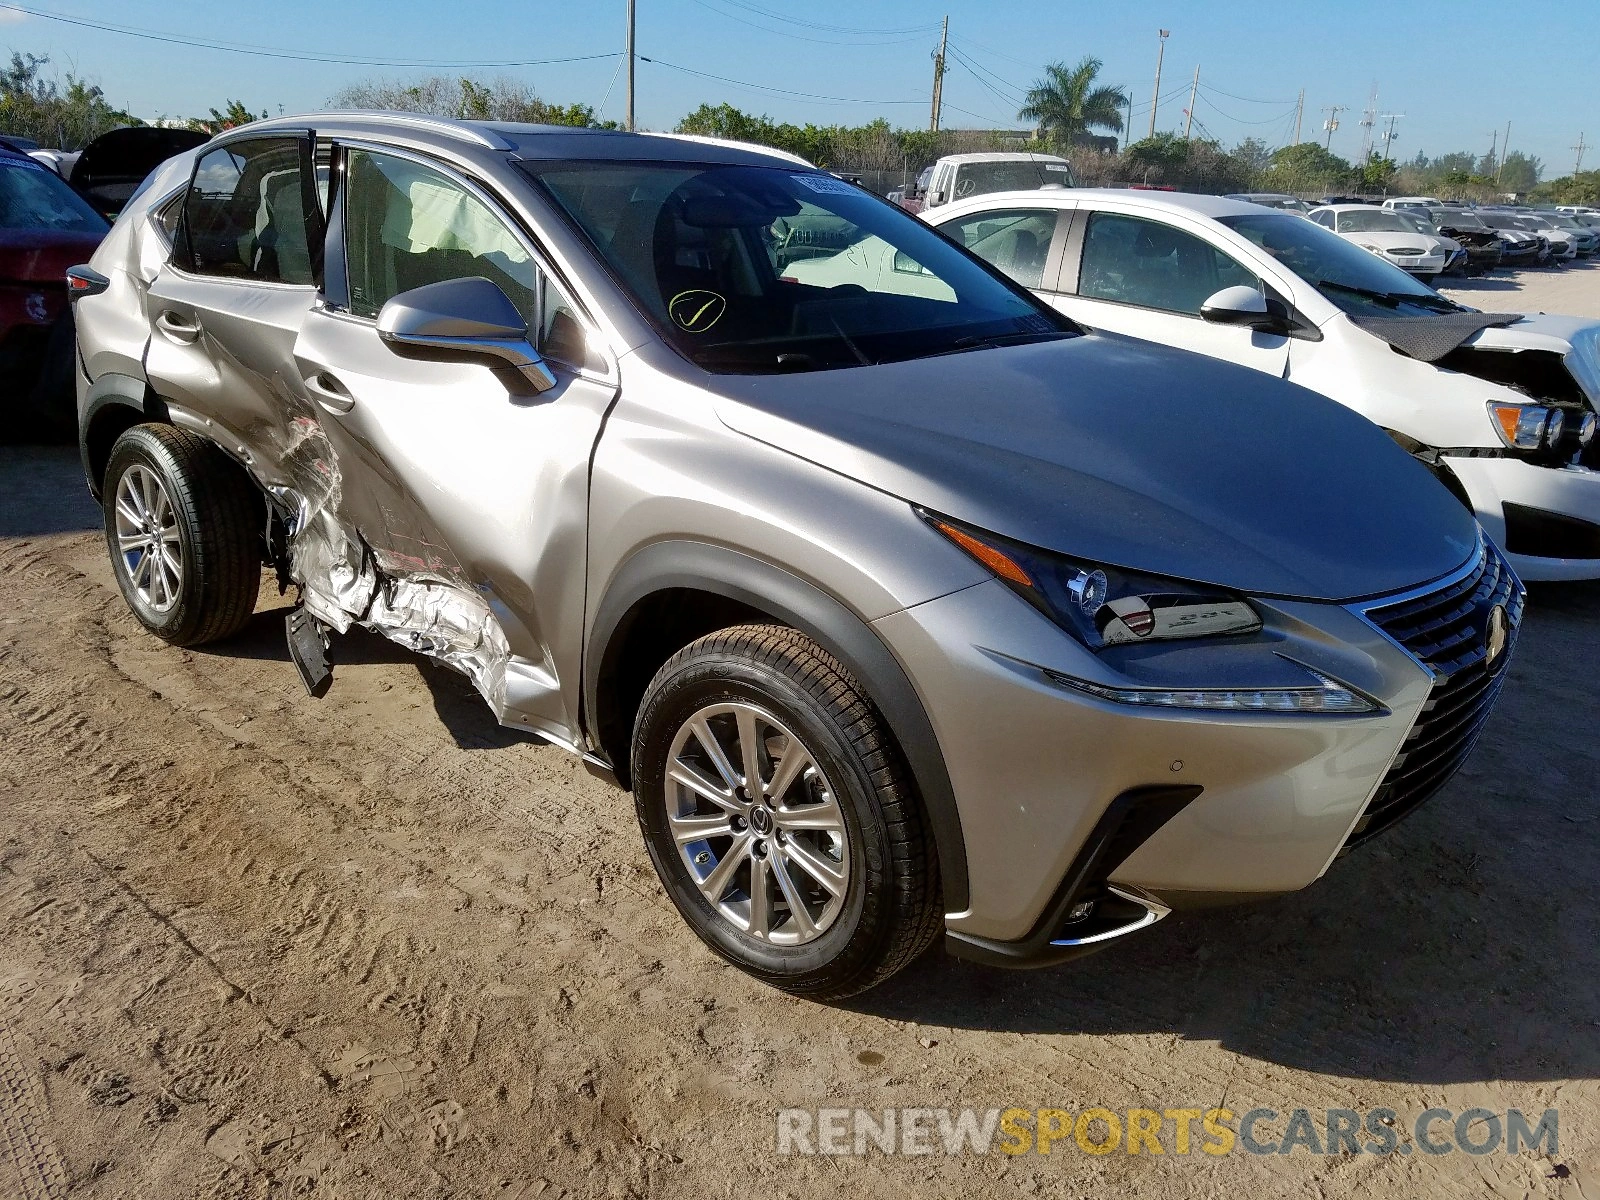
{"points": [[470, 317], [935, 199], [1240, 305]]}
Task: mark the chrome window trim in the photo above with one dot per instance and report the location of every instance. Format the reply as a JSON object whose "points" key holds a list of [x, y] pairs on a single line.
{"points": [[1365, 608], [525, 236]]}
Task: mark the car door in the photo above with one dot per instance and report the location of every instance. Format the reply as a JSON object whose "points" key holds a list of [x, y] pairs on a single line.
{"points": [[455, 470], [226, 308], [1148, 277], [1023, 241]]}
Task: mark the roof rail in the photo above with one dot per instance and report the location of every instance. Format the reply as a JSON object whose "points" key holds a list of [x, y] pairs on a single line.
{"points": [[460, 130], [753, 147]]}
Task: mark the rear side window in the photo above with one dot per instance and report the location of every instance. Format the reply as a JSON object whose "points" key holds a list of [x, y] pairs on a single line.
{"points": [[1129, 260], [245, 213], [1015, 240]]}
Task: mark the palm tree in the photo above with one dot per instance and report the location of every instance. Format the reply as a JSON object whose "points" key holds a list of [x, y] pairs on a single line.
{"points": [[1065, 104]]}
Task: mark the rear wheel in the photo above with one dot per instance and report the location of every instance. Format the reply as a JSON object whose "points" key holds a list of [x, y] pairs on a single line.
{"points": [[183, 528], [779, 815]]}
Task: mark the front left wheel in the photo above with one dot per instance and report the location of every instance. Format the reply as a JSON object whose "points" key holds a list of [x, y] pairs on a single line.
{"points": [[780, 816]]}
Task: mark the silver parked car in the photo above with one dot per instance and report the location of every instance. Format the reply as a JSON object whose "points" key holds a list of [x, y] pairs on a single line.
{"points": [[901, 613]]}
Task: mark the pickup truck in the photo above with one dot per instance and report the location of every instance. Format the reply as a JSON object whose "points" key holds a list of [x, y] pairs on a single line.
{"points": [[960, 176]]}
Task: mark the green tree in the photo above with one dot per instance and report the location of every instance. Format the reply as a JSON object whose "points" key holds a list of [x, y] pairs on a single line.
{"points": [[1065, 105], [68, 114], [1307, 167], [1377, 173], [235, 114], [467, 99], [1520, 172]]}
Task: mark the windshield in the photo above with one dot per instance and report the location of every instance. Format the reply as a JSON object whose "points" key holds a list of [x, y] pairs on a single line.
{"points": [[1376, 220], [1503, 221], [1356, 280], [981, 178], [1562, 222], [34, 197], [755, 269], [1461, 219], [1415, 220]]}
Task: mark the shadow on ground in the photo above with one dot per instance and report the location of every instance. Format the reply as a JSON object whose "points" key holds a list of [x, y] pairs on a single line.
{"points": [[46, 493]]}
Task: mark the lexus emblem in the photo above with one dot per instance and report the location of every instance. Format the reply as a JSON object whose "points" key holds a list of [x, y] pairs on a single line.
{"points": [[1497, 638]]}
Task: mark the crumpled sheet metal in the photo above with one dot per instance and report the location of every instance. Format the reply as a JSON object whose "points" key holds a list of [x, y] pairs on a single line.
{"points": [[341, 583]]}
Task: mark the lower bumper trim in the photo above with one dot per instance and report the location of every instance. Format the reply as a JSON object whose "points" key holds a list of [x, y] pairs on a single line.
{"points": [[1127, 823]]}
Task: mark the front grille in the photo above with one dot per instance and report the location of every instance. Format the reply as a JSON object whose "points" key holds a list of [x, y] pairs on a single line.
{"points": [[1447, 630], [1408, 250]]}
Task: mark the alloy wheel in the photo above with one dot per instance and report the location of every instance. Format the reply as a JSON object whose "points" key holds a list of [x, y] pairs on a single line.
{"points": [[148, 538], [757, 824]]}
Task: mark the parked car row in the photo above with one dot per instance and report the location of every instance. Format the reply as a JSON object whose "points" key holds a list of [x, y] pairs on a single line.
{"points": [[909, 594]]}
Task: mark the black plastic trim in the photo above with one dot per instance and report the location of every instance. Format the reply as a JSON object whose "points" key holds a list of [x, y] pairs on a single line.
{"points": [[1539, 533], [108, 391], [788, 598], [1127, 823]]}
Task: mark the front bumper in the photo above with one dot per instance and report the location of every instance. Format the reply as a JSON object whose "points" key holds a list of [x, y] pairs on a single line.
{"points": [[1419, 264], [1539, 548], [1036, 765]]}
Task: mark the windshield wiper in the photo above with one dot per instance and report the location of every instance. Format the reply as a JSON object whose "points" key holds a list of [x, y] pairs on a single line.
{"points": [[1393, 299], [990, 340]]}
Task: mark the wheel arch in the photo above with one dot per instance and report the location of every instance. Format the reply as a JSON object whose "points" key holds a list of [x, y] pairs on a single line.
{"points": [[114, 404], [671, 593]]}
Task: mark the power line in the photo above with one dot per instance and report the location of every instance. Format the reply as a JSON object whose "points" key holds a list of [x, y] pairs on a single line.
{"points": [[1246, 99], [826, 28], [1275, 119], [761, 87], [295, 55], [800, 37]]}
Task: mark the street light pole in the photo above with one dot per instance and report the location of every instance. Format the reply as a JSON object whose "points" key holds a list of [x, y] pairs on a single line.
{"points": [[627, 119], [1155, 99]]}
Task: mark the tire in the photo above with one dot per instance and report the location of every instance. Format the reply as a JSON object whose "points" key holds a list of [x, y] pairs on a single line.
{"points": [[206, 515], [882, 909]]}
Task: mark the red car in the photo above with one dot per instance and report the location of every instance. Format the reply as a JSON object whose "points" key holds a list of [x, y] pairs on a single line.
{"points": [[45, 227]]}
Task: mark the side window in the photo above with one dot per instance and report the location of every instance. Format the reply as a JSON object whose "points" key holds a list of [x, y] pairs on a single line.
{"points": [[1015, 240], [244, 216], [407, 225], [1325, 219], [1130, 260]]}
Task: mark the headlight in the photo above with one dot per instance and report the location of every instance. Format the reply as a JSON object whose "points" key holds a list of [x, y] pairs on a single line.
{"points": [[1325, 696], [1378, 250], [1104, 606], [1586, 428], [1527, 426]]}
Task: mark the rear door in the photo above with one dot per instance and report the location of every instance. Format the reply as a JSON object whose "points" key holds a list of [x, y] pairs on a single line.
{"points": [[454, 470], [225, 310], [1148, 277]]}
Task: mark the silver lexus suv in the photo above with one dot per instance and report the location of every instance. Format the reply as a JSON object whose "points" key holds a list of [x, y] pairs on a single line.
{"points": [[903, 611]]}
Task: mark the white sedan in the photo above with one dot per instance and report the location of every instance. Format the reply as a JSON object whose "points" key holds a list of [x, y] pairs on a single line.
{"points": [[1385, 233], [1501, 408]]}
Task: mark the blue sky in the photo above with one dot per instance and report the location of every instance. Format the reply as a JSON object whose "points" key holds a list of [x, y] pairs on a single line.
{"points": [[1457, 71]]}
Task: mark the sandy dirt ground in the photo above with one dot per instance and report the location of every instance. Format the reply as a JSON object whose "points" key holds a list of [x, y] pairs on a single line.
{"points": [[258, 945]]}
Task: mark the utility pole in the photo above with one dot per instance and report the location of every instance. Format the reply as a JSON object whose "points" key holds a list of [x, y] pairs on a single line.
{"points": [[1332, 123], [627, 118], [938, 77], [1578, 166], [1155, 98], [1369, 118], [1505, 149], [1494, 145], [1188, 115], [1299, 111], [1389, 134], [1127, 130]]}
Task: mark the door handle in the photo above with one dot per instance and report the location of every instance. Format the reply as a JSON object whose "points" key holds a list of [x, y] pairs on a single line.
{"points": [[329, 392], [177, 327]]}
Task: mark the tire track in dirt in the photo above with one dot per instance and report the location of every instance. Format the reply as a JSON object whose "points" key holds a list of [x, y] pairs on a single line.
{"points": [[34, 1158], [392, 881]]}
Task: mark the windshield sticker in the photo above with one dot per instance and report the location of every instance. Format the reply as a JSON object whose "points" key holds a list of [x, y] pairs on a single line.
{"points": [[826, 184], [696, 310]]}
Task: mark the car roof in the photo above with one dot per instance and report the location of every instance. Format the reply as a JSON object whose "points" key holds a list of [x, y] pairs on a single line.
{"points": [[1204, 206], [1002, 156], [550, 142], [1339, 208]]}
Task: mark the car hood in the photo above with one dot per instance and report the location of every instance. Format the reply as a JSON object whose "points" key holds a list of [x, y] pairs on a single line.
{"points": [[1385, 240], [1128, 454], [115, 163], [42, 256], [1575, 339]]}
